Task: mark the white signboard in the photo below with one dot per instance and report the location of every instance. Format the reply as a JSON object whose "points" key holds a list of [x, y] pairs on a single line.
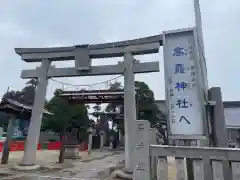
{"points": [[232, 117], [181, 77]]}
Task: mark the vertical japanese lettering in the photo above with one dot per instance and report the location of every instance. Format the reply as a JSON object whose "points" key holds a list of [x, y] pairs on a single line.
{"points": [[182, 103], [141, 167], [173, 117], [179, 51], [180, 85], [140, 127], [139, 146], [173, 121], [183, 118], [193, 73], [179, 68], [194, 85], [171, 92], [169, 80]]}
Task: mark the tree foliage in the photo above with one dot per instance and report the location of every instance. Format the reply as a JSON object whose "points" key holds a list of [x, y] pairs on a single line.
{"points": [[97, 108], [65, 116], [76, 116], [111, 107], [24, 96], [146, 108]]}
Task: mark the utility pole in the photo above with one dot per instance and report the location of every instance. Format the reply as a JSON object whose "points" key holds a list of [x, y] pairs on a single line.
{"points": [[198, 23]]}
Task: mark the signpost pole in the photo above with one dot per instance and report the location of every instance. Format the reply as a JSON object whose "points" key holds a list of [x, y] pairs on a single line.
{"points": [[198, 23]]}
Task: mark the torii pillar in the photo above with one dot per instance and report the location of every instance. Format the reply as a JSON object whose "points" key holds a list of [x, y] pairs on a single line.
{"points": [[29, 157], [129, 111]]}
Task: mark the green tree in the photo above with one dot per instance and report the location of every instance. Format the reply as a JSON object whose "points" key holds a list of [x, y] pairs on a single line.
{"points": [[65, 116], [147, 109], [97, 108], [4, 120], [25, 95], [145, 105], [111, 107]]}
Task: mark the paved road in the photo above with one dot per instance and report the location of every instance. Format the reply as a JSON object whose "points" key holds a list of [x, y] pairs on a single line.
{"points": [[79, 170]]}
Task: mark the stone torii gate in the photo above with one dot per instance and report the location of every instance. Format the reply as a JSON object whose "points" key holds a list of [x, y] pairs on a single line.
{"points": [[83, 54], [94, 97]]}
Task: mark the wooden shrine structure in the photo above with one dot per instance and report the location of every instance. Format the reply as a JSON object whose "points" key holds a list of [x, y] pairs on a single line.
{"points": [[93, 96], [15, 110]]}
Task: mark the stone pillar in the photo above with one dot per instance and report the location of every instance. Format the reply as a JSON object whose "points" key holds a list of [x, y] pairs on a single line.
{"points": [[89, 140], [238, 139], [143, 138], [219, 126], [220, 134], [1, 131], [105, 139], [129, 111], [29, 157], [120, 137], [111, 141], [8, 140], [71, 151], [153, 136], [71, 144], [101, 140]]}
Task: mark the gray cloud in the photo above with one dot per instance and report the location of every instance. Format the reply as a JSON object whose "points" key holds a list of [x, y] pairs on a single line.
{"points": [[42, 23]]}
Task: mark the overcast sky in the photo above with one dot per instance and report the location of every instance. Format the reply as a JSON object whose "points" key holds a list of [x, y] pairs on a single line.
{"points": [[40, 23]]}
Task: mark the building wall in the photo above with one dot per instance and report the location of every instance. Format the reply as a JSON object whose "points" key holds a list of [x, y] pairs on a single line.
{"points": [[232, 117]]}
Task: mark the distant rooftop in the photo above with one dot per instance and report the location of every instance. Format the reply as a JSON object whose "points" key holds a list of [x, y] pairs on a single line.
{"points": [[7, 103], [231, 104], [226, 104]]}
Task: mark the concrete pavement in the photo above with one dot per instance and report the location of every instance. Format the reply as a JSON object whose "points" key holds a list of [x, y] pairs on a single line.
{"points": [[93, 167], [97, 166]]}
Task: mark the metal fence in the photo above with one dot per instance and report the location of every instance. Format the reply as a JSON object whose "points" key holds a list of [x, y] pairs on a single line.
{"points": [[206, 163]]}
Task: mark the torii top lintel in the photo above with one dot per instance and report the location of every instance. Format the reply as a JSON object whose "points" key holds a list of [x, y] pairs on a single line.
{"points": [[139, 46]]}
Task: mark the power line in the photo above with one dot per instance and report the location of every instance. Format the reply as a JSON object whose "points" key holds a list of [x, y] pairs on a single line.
{"points": [[94, 84], [86, 85]]}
